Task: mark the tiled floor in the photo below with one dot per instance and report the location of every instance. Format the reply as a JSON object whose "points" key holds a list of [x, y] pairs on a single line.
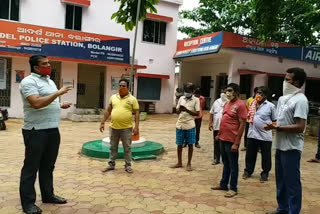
{"points": [[154, 187]]}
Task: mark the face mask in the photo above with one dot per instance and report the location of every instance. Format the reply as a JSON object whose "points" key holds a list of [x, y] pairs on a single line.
{"points": [[45, 70], [187, 95], [288, 88], [223, 97], [123, 91], [230, 95], [259, 98]]}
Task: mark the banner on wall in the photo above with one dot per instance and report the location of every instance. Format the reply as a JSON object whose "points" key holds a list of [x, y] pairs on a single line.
{"points": [[3, 74], [32, 39], [19, 75]]}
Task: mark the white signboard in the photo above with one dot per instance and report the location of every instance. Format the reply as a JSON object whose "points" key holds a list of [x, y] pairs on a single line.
{"points": [[3, 74]]}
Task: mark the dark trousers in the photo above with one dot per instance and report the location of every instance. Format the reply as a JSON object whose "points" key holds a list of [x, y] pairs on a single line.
{"points": [[41, 151], [230, 166], [318, 152], [198, 126], [251, 156], [216, 147], [288, 181], [246, 134]]}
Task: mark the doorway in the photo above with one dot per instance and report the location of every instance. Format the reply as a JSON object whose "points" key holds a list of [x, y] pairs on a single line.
{"points": [[245, 85], [90, 88]]}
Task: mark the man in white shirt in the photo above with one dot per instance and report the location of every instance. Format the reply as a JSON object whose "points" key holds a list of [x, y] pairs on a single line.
{"points": [[214, 124]]}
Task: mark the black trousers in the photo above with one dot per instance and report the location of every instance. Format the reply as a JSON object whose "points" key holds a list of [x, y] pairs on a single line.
{"points": [[216, 147], [41, 151], [246, 134], [198, 126], [251, 156]]}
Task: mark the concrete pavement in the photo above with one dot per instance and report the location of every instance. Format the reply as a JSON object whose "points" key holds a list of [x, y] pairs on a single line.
{"points": [[153, 187]]}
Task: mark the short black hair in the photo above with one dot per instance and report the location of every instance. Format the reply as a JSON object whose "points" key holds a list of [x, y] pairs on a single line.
{"points": [[298, 75], [255, 89], [197, 91], [34, 61], [264, 90], [188, 87], [125, 80], [235, 87]]}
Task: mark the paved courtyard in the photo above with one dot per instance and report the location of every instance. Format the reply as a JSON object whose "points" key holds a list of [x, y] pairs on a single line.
{"points": [[153, 187]]}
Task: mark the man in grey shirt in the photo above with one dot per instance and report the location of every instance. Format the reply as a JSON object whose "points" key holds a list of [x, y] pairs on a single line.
{"points": [[292, 112], [261, 112], [41, 135]]}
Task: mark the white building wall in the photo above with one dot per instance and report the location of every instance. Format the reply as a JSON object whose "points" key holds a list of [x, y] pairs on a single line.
{"points": [[269, 64], [96, 19]]}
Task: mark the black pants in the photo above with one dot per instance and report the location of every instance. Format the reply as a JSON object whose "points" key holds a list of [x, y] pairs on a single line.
{"points": [[216, 147], [251, 156], [246, 134], [41, 151], [198, 126]]}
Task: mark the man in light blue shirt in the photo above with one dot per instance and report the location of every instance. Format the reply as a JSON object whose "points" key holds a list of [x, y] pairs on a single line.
{"points": [[259, 138], [292, 113], [41, 135]]}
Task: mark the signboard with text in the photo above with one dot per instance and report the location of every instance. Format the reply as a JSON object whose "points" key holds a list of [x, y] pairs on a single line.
{"points": [[201, 45], [211, 43], [31, 39]]}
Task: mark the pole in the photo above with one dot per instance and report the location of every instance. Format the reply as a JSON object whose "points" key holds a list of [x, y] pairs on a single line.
{"points": [[134, 47]]}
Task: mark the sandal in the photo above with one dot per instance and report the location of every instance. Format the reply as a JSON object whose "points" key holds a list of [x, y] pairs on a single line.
{"points": [[176, 166], [220, 188], [230, 194], [189, 168], [314, 160]]}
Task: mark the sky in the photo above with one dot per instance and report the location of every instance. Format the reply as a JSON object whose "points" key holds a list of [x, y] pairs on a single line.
{"points": [[187, 5]]}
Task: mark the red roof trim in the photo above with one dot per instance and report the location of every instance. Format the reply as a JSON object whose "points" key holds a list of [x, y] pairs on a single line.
{"points": [[153, 75], [244, 71], [276, 75], [85, 3], [4, 53], [159, 17]]}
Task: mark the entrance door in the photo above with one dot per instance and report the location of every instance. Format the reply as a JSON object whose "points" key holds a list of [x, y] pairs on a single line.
{"points": [[90, 89], [56, 73], [5, 81], [245, 85], [222, 82]]}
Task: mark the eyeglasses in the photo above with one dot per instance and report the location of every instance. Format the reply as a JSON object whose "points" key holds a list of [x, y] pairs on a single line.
{"points": [[123, 86]]}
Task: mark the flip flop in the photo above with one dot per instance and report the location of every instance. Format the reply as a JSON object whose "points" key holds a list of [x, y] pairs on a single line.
{"points": [[219, 188], [176, 166], [189, 168], [230, 194], [314, 160]]}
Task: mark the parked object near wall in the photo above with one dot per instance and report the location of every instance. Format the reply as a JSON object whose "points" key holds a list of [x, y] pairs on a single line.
{"points": [[3, 118]]}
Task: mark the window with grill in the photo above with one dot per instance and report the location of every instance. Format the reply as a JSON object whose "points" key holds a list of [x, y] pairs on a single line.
{"points": [[154, 31], [73, 17], [5, 82], [9, 9]]}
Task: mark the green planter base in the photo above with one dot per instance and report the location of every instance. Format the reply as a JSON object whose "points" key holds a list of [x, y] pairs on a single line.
{"points": [[96, 149]]}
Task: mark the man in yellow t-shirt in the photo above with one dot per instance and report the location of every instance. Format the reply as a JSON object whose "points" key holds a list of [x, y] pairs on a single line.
{"points": [[121, 106]]}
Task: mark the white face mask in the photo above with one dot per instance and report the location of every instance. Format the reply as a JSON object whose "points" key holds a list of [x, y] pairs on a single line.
{"points": [[223, 97], [187, 95], [288, 88]]}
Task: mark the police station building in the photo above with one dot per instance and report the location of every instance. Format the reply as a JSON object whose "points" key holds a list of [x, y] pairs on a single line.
{"points": [[211, 61], [87, 50]]}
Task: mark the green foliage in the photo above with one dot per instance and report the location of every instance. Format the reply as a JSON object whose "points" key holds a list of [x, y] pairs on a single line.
{"points": [[127, 13], [293, 21]]}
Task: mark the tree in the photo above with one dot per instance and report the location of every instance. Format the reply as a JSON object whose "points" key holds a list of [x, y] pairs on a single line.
{"points": [[127, 13], [293, 21]]}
